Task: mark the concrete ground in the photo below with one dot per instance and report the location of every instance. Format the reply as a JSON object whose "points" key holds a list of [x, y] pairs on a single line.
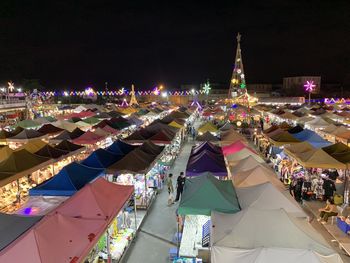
{"points": [[155, 237]]}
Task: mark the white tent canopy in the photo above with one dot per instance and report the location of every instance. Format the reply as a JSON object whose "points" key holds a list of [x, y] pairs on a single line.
{"points": [[246, 164], [256, 176], [317, 123], [267, 197], [69, 126], [270, 236], [244, 153]]}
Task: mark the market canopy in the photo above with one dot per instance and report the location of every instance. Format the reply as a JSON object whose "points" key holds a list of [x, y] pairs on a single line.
{"points": [[133, 120], [294, 150], [207, 127], [340, 130], [206, 162], [13, 226], [295, 129], [91, 120], [102, 132], [33, 146], [68, 146], [103, 115], [255, 176], [120, 147], [205, 194], [5, 152], [99, 200], [246, 164], [49, 129], [88, 138], [136, 162], [311, 137], [318, 158], [162, 137], [101, 159], [237, 156], [20, 163], [69, 180], [205, 146], [28, 124], [317, 123], [235, 147], [50, 152], [253, 235], [4, 135], [330, 128], [268, 197], [110, 130], [227, 126], [230, 136], [151, 148], [175, 124], [283, 138], [336, 148], [66, 125], [26, 136], [207, 136]]}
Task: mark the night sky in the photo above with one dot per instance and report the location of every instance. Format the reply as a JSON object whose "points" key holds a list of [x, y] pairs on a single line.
{"points": [[73, 44]]}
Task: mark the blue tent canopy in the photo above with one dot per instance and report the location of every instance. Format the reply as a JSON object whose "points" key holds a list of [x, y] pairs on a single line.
{"points": [[311, 137], [69, 180], [101, 159], [120, 147]]}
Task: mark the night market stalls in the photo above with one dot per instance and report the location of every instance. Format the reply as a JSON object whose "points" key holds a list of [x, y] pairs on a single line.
{"points": [[95, 216]]}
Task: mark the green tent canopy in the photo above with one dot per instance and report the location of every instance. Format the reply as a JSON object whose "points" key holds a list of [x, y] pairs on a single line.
{"points": [[205, 193], [27, 124], [91, 120]]}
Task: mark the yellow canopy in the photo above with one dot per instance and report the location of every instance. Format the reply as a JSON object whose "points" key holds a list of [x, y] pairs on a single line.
{"points": [[231, 136], [318, 158], [175, 124], [295, 149], [33, 146], [5, 152], [208, 126], [127, 111]]}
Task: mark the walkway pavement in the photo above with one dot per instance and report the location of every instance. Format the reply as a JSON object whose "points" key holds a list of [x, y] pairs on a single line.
{"points": [[154, 240]]}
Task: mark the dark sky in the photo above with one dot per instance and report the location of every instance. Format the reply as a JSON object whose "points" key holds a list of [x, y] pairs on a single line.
{"points": [[77, 43]]}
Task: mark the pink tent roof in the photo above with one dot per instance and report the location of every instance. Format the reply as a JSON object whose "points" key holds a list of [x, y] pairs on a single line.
{"points": [[69, 232], [88, 138], [235, 147], [109, 129], [99, 200]]}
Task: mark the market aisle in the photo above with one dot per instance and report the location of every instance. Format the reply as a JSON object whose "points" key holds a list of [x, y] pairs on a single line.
{"points": [[155, 237]]}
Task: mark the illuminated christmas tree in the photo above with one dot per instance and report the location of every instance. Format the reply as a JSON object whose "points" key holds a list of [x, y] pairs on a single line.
{"points": [[237, 85], [133, 100]]}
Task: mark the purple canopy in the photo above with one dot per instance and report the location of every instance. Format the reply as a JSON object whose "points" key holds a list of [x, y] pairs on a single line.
{"points": [[206, 162], [206, 146], [216, 156]]}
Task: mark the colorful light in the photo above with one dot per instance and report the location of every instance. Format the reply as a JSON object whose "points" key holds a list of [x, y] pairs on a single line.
{"points": [[11, 86], [309, 86], [156, 91], [206, 88]]}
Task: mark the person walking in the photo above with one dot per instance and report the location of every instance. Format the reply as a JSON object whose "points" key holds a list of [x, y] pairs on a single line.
{"points": [[180, 185], [169, 183]]}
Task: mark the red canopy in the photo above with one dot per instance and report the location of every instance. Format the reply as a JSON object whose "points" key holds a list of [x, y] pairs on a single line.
{"points": [[88, 138], [235, 147], [69, 232]]}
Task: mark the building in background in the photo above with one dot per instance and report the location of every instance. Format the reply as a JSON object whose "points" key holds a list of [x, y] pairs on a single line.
{"points": [[295, 85]]}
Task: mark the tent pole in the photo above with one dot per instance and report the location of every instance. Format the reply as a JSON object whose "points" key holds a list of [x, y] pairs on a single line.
{"points": [[146, 192], [109, 260], [135, 211]]}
